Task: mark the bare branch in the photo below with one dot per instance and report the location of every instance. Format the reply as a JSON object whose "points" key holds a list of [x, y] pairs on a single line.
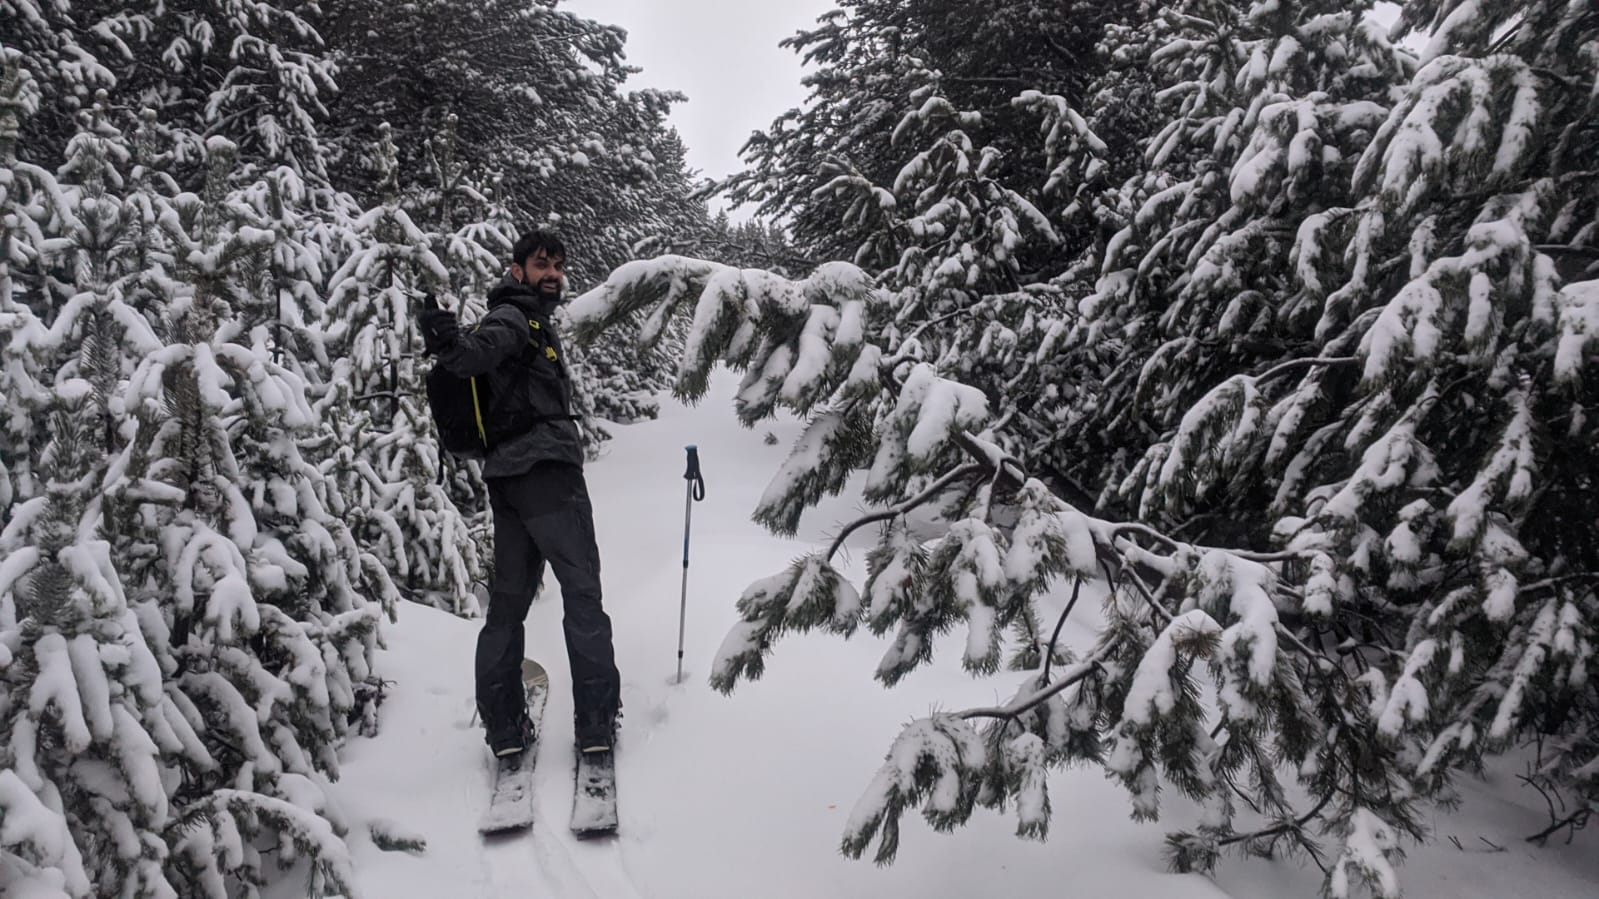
{"points": [[1556, 581], [1576, 821], [1049, 651], [1280, 829], [1294, 365]]}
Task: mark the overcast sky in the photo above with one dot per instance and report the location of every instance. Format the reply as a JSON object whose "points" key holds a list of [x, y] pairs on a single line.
{"points": [[723, 54]]}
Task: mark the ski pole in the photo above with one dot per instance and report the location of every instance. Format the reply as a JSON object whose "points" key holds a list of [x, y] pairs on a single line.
{"points": [[696, 491]]}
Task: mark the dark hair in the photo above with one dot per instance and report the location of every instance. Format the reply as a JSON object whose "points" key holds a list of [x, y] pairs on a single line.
{"points": [[533, 241]]}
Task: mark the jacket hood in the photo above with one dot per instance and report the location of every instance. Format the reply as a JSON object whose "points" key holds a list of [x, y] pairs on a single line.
{"points": [[529, 300]]}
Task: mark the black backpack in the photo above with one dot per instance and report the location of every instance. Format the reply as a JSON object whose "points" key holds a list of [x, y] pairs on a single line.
{"points": [[466, 416], [458, 405]]}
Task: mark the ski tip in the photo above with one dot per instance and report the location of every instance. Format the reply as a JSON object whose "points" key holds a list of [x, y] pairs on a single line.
{"points": [[492, 824], [503, 830]]}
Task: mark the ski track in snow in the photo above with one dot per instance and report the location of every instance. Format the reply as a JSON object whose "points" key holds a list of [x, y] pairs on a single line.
{"points": [[555, 863], [573, 867], [604, 869]]}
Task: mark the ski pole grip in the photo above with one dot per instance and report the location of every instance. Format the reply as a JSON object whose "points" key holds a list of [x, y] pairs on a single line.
{"points": [[692, 473]]}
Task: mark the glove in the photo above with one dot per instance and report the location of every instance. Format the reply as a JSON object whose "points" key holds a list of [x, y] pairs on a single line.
{"points": [[439, 329]]}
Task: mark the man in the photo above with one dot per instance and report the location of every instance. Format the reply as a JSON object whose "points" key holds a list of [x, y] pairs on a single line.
{"points": [[539, 498]]}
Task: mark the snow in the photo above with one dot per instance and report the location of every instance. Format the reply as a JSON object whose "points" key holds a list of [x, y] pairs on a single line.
{"points": [[943, 406], [749, 795], [1578, 305], [27, 824], [55, 686], [1151, 694], [1370, 843], [1407, 699], [978, 576]]}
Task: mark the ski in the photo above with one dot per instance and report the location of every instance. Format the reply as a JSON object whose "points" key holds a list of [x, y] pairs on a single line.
{"points": [[511, 803], [594, 795]]}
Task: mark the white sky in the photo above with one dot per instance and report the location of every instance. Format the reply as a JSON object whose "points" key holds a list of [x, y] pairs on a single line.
{"points": [[723, 54]]}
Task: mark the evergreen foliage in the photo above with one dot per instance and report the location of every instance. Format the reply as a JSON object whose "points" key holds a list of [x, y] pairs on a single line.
{"points": [[216, 472], [1287, 361], [1268, 329]]}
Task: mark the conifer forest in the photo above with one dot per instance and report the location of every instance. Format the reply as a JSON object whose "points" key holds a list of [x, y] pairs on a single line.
{"points": [[1266, 331]]}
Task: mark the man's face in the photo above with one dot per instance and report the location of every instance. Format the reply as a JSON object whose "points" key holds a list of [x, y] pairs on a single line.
{"points": [[541, 272]]}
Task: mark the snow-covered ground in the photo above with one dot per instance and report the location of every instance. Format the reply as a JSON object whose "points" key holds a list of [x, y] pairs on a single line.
{"points": [[745, 796]]}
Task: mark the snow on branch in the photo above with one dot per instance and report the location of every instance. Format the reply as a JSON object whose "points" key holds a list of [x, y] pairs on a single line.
{"points": [[919, 430], [1423, 142], [798, 341], [1578, 305], [935, 762], [810, 594], [38, 835], [1370, 849], [1151, 693], [228, 822]]}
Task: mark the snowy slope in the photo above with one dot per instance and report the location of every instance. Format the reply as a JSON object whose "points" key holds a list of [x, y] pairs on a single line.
{"points": [[745, 796]]}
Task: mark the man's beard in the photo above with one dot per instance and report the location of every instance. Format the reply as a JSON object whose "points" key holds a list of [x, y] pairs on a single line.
{"points": [[548, 288]]}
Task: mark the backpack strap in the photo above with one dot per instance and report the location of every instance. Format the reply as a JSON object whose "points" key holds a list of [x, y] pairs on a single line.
{"points": [[536, 329], [477, 414]]}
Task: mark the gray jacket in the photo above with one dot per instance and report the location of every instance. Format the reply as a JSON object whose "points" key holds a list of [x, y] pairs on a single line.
{"points": [[499, 347]]}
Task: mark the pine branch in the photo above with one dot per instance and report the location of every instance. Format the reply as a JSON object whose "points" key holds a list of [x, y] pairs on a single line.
{"points": [[1285, 827], [1576, 821], [1019, 707], [909, 505], [1297, 364], [1172, 544]]}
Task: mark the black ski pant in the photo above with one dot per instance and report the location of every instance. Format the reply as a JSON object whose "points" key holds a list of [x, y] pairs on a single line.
{"points": [[544, 516]]}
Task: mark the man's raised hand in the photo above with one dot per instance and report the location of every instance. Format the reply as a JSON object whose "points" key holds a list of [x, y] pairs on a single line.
{"points": [[438, 325]]}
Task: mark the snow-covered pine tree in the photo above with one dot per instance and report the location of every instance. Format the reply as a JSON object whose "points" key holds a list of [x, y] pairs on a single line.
{"points": [[536, 94], [30, 201], [394, 480], [474, 228], [1268, 109], [257, 601], [97, 325], [91, 742], [255, 70], [878, 62], [965, 252], [150, 314], [188, 697], [62, 46]]}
